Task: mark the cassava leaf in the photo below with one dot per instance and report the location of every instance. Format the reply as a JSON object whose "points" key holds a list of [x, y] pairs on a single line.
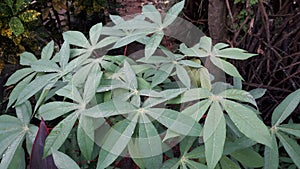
{"points": [[59, 134], [285, 108], [247, 122]]}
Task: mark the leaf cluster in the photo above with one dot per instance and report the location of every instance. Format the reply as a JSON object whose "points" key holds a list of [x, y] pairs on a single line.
{"points": [[144, 107]]}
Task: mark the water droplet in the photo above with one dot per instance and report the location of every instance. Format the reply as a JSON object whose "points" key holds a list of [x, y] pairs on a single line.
{"points": [[3, 155]]}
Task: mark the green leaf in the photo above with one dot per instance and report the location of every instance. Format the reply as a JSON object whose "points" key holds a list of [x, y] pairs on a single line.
{"points": [[45, 66], [24, 112], [172, 13], [109, 108], [76, 38], [146, 150], [11, 150], [257, 93], [106, 41], [59, 134], [291, 128], [34, 86], [172, 163], [285, 108], [18, 89], [52, 110], [227, 163], [291, 146], [249, 158], [16, 26], [153, 43], [214, 117], [238, 144], [183, 76], [234, 53], [175, 121], [70, 91], [191, 95], [225, 66], [205, 43], [247, 122], [62, 161], [115, 142], [205, 78], [80, 76], [152, 13], [167, 94], [190, 63], [219, 46], [214, 142], [271, 155], [48, 51], [197, 110], [18, 159], [27, 58], [91, 84], [162, 74], [95, 33], [130, 76], [194, 165], [64, 55], [18, 75], [239, 95], [127, 40], [30, 137], [85, 141]]}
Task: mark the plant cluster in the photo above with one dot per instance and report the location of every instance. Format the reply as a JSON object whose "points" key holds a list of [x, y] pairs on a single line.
{"points": [[115, 106]]}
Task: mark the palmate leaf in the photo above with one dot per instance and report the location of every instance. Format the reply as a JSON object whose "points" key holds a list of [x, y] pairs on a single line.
{"points": [[130, 76], [285, 108], [146, 150], [152, 13], [18, 75], [76, 38], [183, 76], [115, 142], [214, 143], [239, 95], [234, 53], [45, 66], [11, 150], [18, 89], [247, 122], [271, 155], [175, 121], [59, 134], [62, 161], [18, 159], [109, 108], [48, 51], [85, 140], [91, 84], [248, 157], [34, 86], [173, 13], [227, 163], [52, 110], [291, 128], [27, 58], [70, 91], [95, 33], [153, 43], [162, 74], [291, 146], [225, 66]]}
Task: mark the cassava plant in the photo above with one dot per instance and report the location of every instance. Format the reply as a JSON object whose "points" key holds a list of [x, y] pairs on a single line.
{"points": [[161, 108]]}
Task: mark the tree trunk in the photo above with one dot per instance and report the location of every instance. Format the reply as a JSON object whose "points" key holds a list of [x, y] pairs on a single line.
{"points": [[217, 31]]}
